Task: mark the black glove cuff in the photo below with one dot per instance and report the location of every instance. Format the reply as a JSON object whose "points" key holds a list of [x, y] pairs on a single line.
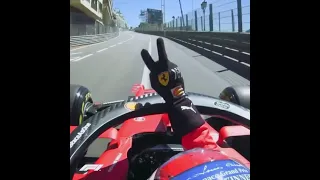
{"points": [[184, 117]]}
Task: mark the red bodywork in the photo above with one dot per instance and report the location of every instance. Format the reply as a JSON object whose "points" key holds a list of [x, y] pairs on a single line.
{"points": [[114, 159]]}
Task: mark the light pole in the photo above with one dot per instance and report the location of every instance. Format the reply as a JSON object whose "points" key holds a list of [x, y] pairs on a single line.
{"points": [[181, 13], [192, 15], [203, 7], [163, 6], [173, 23]]}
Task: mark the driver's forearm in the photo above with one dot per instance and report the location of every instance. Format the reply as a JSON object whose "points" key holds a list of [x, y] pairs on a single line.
{"points": [[184, 117], [188, 124]]}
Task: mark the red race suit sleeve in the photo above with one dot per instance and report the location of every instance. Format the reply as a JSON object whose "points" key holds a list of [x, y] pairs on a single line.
{"points": [[188, 124], [204, 137]]}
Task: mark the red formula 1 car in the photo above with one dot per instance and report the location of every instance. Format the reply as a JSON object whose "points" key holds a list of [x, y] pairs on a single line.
{"points": [[145, 139]]}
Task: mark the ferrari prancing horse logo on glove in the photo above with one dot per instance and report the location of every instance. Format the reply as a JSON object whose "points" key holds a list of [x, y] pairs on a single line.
{"points": [[164, 78]]}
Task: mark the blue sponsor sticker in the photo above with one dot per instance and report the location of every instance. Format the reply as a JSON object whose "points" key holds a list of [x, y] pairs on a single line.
{"points": [[220, 170]]}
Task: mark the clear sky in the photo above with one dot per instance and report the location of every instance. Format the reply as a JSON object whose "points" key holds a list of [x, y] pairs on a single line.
{"points": [[131, 9]]}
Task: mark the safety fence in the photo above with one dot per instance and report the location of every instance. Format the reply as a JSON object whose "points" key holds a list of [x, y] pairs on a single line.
{"points": [[231, 50], [219, 16], [91, 39]]}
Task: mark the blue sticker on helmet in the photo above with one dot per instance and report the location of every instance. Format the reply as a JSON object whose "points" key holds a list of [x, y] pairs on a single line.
{"points": [[220, 169]]}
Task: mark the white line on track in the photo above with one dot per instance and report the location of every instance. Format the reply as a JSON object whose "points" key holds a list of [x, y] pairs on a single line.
{"points": [[128, 39], [75, 53], [216, 45], [75, 60], [245, 64], [216, 53], [119, 43], [102, 50], [145, 74], [233, 59], [236, 50]]}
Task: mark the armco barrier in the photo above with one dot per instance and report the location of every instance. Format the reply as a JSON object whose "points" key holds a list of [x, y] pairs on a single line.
{"points": [[231, 50], [91, 39]]}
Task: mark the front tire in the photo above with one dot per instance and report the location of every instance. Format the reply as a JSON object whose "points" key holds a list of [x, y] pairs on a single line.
{"points": [[237, 94], [79, 97]]}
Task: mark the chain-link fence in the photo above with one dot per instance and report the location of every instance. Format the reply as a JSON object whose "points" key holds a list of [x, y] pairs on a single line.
{"points": [[229, 16], [83, 25]]}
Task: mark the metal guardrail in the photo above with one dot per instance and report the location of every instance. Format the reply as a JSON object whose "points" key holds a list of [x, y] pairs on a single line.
{"points": [[91, 39], [231, 50]]}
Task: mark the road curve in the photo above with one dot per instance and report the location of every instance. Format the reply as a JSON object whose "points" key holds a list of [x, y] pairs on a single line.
{"points": [[109, 69]]}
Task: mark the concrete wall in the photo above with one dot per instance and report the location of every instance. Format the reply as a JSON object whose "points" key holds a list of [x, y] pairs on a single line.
{"points": [[231, 50]]}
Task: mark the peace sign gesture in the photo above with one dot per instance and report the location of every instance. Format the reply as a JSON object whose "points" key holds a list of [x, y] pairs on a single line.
{"points": [[165, 77]]}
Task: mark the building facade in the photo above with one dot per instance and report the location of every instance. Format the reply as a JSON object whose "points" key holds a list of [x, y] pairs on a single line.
{"points": [[90, 17]]}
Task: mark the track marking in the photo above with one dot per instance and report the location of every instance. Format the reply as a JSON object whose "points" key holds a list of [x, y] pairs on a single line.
{"points": [[236, 50], [245, 64], [75, 53], [116, 44], [216, 53], [132, 36], [74, 58], [82, 58], [102, 50], [216, 45], [233, 59]]}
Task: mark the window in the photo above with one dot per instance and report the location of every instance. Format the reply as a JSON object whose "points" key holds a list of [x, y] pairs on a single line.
{"points": [[94, 4], [100, 7]]}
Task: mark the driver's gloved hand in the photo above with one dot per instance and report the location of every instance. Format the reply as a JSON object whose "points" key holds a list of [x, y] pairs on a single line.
{"points": [[167, 81], [165, 76]]}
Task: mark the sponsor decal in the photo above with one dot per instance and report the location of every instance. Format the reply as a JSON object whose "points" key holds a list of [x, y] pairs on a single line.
{"points": [[130, 105], [177, 91], [219, 169], [221, 104], [188, 108], [164, 78], [79, 135], [139, 119], [93, 167]]}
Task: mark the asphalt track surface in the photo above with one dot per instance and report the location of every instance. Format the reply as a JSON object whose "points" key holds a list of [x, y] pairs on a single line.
{"points": [[109, 69]]}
